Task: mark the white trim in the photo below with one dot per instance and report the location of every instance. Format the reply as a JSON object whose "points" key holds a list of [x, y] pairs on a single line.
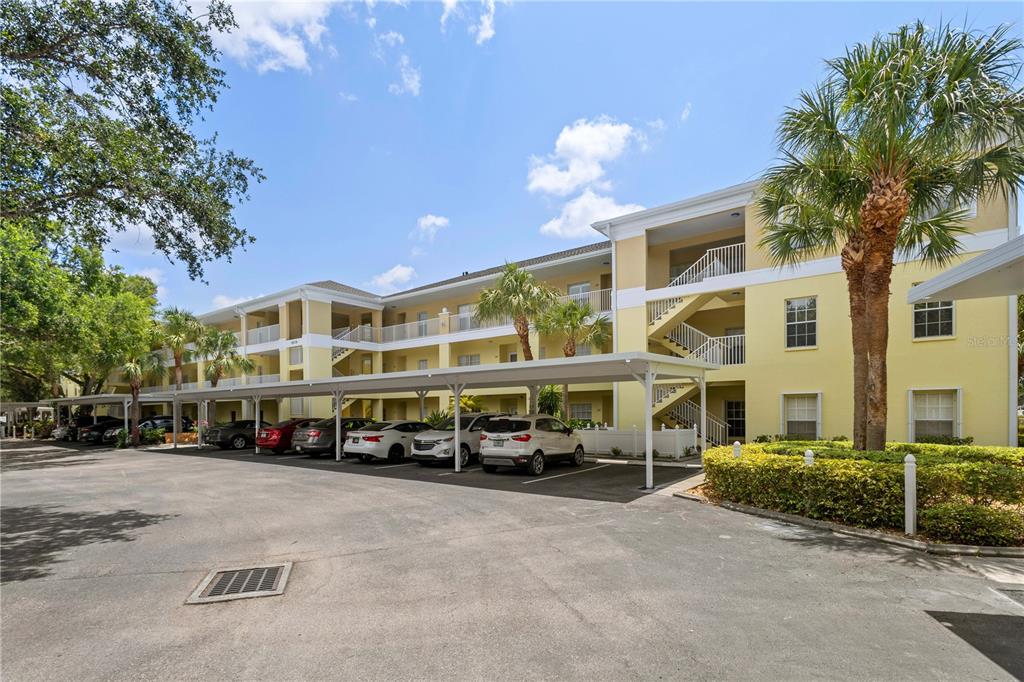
{"points": [[635, 224], [819, 396], [1011, 338], [936, 337], [615, 336], [1007, 254]]}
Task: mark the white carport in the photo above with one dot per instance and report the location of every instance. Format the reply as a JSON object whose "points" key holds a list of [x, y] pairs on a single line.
{"points": [[997, 272], [644, 368], [123, 399]]}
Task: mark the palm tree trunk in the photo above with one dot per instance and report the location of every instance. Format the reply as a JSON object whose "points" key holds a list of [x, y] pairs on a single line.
{"points": [[177, 386], [853, 265], [522, 326], [136, 416], [881, 215]]}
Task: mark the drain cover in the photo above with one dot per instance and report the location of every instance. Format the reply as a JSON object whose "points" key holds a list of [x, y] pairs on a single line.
{"points": [[225, 584]]}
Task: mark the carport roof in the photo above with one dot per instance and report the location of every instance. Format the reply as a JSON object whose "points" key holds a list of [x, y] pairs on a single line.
{"points": [[997, 272], [587, 369], [109, 399]]}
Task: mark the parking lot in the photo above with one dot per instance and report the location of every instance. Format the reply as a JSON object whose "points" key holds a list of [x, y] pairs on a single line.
{"points": [[403, 572]]}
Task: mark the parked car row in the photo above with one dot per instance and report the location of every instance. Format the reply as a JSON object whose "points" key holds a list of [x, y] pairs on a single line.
{"points": [[103, 430]]}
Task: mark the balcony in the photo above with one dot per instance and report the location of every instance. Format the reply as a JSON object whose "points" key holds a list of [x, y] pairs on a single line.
{"points": [[721, 260], [599, 300], [264, 378], [263, 334]]}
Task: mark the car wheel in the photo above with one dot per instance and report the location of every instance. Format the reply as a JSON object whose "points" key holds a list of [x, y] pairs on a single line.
{"points": [[464, 455], [395, 454], [535, 467], [577, 457], [490, 468], [238, 442]]}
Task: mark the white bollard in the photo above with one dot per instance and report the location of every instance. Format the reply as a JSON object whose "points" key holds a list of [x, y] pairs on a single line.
{"points": [[736, 449], [910, 495], [809, 458]]}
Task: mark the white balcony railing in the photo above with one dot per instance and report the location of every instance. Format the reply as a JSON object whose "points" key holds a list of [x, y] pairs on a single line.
{"points": [[721, 260], [263, 334], [724, 350], [264, 378], [410, 330], [599, 300], [464, 322]]}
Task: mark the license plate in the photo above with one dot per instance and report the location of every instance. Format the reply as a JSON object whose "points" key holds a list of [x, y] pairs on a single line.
{"points": [[263, 434], [355, 439], [499, 443]]}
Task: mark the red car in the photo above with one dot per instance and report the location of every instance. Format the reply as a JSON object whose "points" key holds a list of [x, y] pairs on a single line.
{"points": [[278, 437]]}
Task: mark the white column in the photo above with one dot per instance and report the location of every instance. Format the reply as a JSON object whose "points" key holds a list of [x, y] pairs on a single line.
{"points": [[256, 421], [457, 443], [422, 395], [200, 417], [126, 401], [703, 415], [339, 398], [648, 429], [175, 410]]}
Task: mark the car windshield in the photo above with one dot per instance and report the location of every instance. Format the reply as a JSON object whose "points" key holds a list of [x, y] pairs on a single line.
{"points": [[376, 426], [508, 425], [286, 422], [449, 425], [238, 425]]}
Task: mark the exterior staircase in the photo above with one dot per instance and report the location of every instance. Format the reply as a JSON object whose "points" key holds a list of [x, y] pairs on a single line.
{"points": [[664, 315], [686, 414], [667, 396]]}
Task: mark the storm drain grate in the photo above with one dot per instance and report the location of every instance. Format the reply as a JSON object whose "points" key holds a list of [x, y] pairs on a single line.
{"points": [[242, 583]]}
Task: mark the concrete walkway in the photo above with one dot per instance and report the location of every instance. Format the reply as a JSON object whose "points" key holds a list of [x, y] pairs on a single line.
{"points": [[399, 574]]}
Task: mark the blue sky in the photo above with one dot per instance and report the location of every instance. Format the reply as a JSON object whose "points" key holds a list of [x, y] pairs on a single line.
{"points": [[405, 143]]}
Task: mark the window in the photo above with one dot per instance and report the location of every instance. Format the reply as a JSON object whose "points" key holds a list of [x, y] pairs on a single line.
{"points": [[736, 417], [541, 353], [800, 416], [421, 324], [933, 318], [510, 406], [801, 322], [935, 413], [580, 292], [583, 411], [513, 356], [469, 360], [421, 364], [295, 355], [467, 318], [298, 406]]}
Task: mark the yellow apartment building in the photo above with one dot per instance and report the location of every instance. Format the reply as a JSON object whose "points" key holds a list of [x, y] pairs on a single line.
{"points": [[684, 278]]}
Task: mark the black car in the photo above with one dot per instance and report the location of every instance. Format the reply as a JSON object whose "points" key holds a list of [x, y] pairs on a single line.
{"points": [[166, 422], [93, 433], [236, 435], [76, 424], [318, 438]]}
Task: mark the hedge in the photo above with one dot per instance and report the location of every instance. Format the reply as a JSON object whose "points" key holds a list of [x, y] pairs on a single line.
{"points": [[866, 489], [973, 524]]}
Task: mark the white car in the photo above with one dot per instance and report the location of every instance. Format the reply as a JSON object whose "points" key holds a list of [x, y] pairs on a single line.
{"points": [[528, 442], [437, 445], [390, 440]]}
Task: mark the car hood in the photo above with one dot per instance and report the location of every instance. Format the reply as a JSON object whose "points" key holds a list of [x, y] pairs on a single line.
{"points": [[434, 435]]}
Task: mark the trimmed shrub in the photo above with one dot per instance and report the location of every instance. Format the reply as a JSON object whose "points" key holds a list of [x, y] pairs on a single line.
{"points": [[972, 524]]}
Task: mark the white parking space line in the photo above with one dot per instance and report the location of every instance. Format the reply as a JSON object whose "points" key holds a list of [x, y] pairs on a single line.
{"points": [[464, 469], [393, 466], [570, 473], [292, 457]]}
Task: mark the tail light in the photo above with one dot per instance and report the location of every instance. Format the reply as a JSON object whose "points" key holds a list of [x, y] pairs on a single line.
{"points": [[483, 437], [313, 433], [522, 438], [372, 439]]}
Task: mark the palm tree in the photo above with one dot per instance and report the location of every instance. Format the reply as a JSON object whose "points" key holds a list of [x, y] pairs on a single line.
{"points": [[135, 370], [579, 326], [881, 157], [218, 348], [178, 328], [516, 294], [467, 403]]}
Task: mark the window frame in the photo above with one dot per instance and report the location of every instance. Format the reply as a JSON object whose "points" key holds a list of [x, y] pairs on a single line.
{"points": [[958, 418], [783, 415], [459, 363], [788, 323], [725, 413], [933, 305], [590, 411]]}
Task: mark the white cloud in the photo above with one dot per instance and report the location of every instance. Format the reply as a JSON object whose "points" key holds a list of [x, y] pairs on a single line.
{"points": [[410, 79], [225, 301], [391, 38], [136, 240], [686, 112], [450, 7], [275, 35], [580, 152], [428, 226], [484, 30], [417, 252], [347, 96], [389, 280], [371, 22], [656, 124], [578, 214]]}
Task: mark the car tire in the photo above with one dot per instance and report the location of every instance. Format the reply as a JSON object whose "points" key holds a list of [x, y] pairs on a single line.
{"points": [[490, 468], [239, 442], [577, 457], [396, 454], [535, 467], [465, 455]]}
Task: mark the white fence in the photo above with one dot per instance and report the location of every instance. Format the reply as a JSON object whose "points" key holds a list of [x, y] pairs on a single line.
{"points": [[673, 443], [263, 334]]}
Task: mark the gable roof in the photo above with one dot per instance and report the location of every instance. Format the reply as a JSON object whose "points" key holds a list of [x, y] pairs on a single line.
{"points": [[340, 288]]}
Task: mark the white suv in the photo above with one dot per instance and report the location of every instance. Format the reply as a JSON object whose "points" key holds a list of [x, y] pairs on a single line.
{"points": [[529, 442], [437, 445]]}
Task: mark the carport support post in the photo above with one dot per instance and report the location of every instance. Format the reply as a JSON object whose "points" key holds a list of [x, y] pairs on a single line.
{"points": [[422, 395], [703, 416], [175, 409], [456, 390], [256, 422], [339, 398], [126, 403], [647, 381]]}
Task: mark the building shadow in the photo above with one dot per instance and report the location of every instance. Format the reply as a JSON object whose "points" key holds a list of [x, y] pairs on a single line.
{"points": [[24, 461], [32, 538], [999, 637]]}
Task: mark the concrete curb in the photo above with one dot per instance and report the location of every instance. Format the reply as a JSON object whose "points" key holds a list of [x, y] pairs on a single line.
{"points": [[640, 462], [937, 548]]}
